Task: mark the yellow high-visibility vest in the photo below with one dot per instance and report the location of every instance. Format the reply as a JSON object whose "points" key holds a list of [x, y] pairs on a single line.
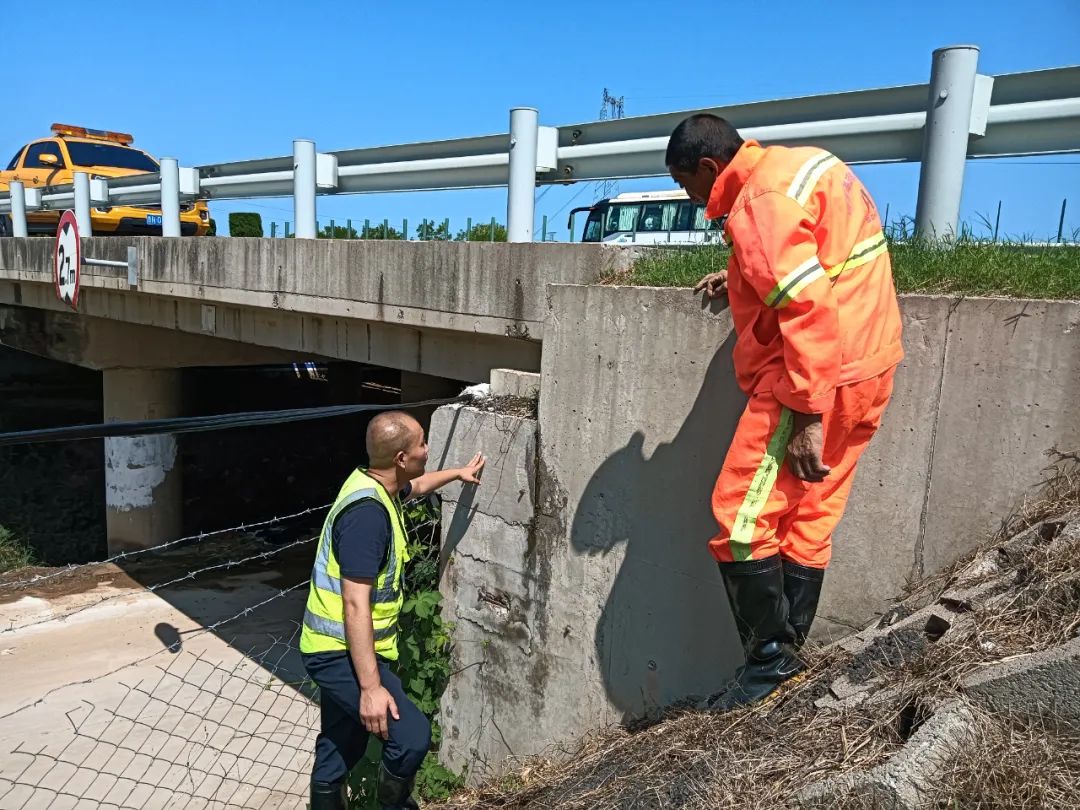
{"points": [[324, 618]]}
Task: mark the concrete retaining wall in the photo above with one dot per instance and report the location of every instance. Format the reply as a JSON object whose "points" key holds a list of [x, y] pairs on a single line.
{"points": [[607, 602]]}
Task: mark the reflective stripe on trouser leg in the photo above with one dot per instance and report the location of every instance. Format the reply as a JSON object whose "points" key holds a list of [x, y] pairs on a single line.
{"points": [[745, 501], [742, 533]]}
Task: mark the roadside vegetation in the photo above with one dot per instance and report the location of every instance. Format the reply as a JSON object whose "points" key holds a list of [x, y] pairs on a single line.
{"points": [[1015, 269]]}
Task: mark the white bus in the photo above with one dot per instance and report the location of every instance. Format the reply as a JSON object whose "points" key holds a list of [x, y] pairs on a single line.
{"points": [[647, 218]]}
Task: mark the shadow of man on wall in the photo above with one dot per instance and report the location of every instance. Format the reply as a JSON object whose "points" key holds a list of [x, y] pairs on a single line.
{"points": [[666, 631]]}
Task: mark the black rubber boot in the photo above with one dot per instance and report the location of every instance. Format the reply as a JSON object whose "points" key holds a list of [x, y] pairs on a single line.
{"points": [[328, 796], [756, 591], [802, 587], [395, 793]]}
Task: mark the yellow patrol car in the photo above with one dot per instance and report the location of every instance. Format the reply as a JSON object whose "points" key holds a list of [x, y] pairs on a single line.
{"points": [[53, 161]]}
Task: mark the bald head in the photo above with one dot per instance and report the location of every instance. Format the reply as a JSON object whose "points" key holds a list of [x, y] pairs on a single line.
{"points": [[388, 434]]}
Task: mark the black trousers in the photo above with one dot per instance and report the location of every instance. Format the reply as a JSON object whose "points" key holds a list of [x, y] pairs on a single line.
{"points": [[342, 737]]}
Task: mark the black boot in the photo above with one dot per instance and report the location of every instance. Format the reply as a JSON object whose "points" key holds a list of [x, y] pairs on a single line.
{"points": [[393, 792], [802, 587], [328, 796], [756, 591]]}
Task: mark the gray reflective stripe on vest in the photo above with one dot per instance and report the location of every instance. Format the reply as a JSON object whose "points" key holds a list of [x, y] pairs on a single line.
{"points": [[381, 596], [329, 627], [386, 632], [324, 626], [324, 582]]}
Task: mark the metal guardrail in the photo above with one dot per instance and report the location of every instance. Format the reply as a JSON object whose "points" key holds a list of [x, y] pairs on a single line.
{"points": [[958, 115]]}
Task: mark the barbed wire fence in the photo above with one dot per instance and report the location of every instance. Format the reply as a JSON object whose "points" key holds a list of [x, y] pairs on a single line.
{"points": [[196, 724]]}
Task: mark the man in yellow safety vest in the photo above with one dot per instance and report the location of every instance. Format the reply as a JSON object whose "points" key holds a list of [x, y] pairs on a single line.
{"points": [[350, 632]]}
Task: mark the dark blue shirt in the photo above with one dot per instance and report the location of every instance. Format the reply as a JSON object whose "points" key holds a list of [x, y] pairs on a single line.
{"points": [[362, 535]]}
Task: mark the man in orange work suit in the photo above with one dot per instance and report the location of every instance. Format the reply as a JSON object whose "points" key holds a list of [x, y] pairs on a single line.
{"points": [[817, 328]]}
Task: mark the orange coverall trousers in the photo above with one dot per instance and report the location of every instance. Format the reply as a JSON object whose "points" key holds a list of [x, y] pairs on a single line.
{"points": [[762, 508]]}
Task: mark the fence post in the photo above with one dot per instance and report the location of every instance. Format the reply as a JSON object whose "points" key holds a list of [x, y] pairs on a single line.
{"points": [[1061, 222], [332, 233], [521, 194], [572, 216], [543, 232], [273, 230], [82, 203], [468, 229], [945, 141], [304, 189], [286, 229], [348, 228], [18, 208], [170, 197], [997, 221], [491, 231], [405, 229]]}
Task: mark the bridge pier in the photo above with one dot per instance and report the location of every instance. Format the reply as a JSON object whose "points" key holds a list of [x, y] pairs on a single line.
{"points": [[143, 498]]}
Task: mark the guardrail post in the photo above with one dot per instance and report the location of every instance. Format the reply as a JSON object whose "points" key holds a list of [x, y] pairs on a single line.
{"points": [[18, 208], [945, 142], [304, 189], [521, 194], [82, 203], [170, 197]]}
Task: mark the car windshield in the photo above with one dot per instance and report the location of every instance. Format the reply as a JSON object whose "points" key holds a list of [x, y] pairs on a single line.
{"points": [[107, 154]]}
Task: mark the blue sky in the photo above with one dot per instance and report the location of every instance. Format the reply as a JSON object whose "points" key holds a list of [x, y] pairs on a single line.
{"points": [[212, 82]]}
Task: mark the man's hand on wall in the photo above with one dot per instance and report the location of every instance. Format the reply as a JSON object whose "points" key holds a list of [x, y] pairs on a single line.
{"points": [[805, 447], [470, 473], [714, 284]]}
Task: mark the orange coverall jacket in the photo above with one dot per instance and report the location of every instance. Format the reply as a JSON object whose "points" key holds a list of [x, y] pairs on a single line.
{"points": [[809, 281]]}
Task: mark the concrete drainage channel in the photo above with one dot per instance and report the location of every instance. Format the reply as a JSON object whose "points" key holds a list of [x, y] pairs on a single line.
{"points": [[1043, 684]]}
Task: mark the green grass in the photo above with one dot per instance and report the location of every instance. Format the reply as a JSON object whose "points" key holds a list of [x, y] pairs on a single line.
{"points": [[970, 268], [13, 554]]}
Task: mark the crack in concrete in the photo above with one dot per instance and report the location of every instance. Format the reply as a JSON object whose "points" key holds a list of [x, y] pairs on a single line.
{"points": [[477, 510], [918, 567], [526, 577]]}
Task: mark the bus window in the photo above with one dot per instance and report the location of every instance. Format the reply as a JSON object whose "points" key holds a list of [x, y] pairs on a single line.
{"points": [[593, 227], [684, 217], [652, 218], [622, 218], [699, 218]]}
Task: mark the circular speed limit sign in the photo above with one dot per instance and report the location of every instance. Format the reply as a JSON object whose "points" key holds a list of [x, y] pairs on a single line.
{"points": [[67, 260]]}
